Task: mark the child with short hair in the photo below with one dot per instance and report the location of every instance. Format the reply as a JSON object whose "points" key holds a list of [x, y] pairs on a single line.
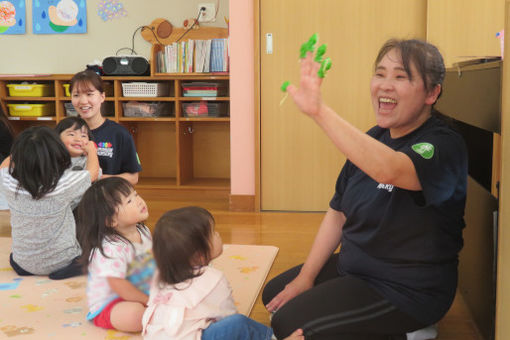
{"points": [[77, 138], [190, 299], [76, 135], [39, 189], [117, 249]]}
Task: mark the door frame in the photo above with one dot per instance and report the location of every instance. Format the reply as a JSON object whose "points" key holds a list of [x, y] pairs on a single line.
{"points": [[257, 99]]}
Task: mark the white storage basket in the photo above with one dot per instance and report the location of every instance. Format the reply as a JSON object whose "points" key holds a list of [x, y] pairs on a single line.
{"points": [[140, 89]]}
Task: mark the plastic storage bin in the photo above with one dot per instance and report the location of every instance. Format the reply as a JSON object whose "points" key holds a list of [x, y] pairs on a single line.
{"points": [[66, 90], [140, 89], [205, 109], [70, 110], [108, 89], [30, 90], [30, 110], [147, 109]]}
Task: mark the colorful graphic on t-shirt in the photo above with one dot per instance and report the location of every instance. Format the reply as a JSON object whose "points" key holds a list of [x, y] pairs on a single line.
{"points": [[104, 145], [105, 149], [141, 270]]}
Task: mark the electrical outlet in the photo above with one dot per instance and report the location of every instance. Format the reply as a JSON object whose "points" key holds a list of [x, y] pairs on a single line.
{"points": [[209, 15]]}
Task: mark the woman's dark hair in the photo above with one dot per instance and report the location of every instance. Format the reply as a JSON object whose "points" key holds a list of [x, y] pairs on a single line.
{"points": [[73, 122], [426, 58], [82, 79], [96, 211], [181, 237], [38, 160]]}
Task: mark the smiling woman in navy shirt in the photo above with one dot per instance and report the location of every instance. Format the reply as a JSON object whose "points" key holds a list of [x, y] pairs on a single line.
{"points": [[397, 211], [115, 146]]}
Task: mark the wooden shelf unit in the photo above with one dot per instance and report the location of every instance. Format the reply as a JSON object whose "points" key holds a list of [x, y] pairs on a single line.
{"points": [[176, 152]]}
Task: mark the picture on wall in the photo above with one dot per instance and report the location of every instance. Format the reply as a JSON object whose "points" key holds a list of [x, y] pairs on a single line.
{"points": [[59, 16], [12, 17]]}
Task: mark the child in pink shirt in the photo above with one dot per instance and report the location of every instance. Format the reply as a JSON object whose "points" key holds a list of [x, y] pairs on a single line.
{"points": [[190, 299]]}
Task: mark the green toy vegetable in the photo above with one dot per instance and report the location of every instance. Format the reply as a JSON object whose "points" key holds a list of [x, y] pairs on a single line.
{"points": [[325, 65], [285, 85]]}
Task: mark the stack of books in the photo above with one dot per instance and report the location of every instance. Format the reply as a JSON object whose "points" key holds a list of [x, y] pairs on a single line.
{"points": [[194, 56]]}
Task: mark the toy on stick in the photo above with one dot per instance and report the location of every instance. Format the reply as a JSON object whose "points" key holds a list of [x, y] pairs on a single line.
{"points": [[306, 47]]}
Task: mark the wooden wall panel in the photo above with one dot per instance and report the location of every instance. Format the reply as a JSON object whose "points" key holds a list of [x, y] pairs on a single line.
{"points": [[465, 27], [299, 164]]}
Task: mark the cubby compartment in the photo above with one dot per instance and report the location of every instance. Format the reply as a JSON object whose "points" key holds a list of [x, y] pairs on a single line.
{"points": [[108, 109], [205, 108], [156, 145], [203, 160], [68, 110], [107, 87], [148, 109], [197, 88], [19, 124], [31, 109], [30, 89], [147, 89]]}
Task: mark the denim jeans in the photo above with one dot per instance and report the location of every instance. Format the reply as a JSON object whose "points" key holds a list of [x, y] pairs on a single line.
{"points": [[237, 327]]}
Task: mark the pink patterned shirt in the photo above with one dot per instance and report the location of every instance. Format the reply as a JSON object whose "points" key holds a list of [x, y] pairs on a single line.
{"points": [[134, 263], [182, 314]]}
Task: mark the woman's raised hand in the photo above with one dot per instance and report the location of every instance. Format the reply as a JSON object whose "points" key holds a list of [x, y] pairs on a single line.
{"points": [[308, 96], [313, 69]]}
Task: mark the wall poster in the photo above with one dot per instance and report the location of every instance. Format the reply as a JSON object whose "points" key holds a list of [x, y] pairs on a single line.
{"points": [[12, 17], [59, 16]]}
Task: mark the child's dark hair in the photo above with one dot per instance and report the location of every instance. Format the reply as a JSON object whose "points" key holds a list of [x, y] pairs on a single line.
{"points": [[96, 211], [83, 78], [181, 237], [38, 160], [73, 122]]}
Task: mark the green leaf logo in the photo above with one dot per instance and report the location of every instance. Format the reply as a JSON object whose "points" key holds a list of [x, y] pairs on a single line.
{"points": [[426, 150]]}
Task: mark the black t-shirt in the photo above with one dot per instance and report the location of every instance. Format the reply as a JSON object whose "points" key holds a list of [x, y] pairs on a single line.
{"points": [[115, 149], [406, 243]]}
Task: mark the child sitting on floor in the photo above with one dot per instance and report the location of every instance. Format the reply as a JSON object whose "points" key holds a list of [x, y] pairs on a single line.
{"points": [[39, 190], [117, 248], [190, 299]]}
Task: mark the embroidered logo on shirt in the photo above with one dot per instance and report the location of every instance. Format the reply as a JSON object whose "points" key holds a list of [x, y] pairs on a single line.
{"points": [[388, 187], [426, 150], [105, 149]]}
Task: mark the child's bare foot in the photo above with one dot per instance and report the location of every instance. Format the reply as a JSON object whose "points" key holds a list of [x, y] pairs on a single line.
{"points": [[296, 335]]}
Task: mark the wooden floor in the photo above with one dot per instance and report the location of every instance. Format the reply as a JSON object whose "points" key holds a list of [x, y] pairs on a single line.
{"points": [[292, 233]]}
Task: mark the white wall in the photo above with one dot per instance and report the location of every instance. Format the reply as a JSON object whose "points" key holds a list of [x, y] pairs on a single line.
{"points": [[69, 53]]}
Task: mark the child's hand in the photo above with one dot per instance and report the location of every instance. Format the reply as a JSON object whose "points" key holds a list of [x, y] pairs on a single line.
{"points": [[89, 148]]}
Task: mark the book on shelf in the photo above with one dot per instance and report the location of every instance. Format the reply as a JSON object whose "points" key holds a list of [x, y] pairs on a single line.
{"points": [[194, 56]]}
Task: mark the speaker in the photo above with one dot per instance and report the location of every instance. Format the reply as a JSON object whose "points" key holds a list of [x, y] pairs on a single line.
{"points": [[126, 66]]}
